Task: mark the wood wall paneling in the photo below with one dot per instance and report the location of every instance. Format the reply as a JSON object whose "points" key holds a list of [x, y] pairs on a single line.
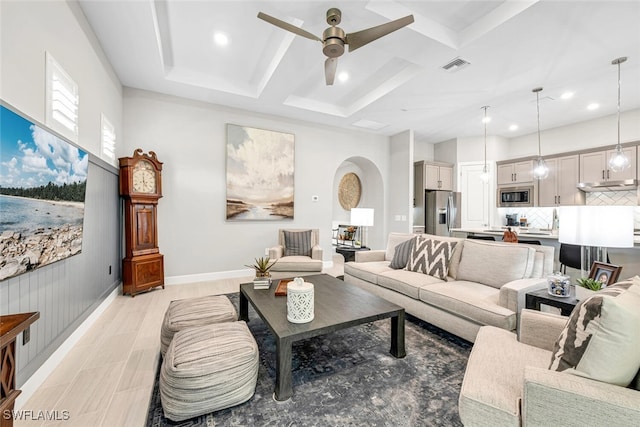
{"points": [[66, 292]]}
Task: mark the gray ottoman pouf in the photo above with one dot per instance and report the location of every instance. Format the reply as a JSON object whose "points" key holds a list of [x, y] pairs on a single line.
{"points": [[208, 368], [200, 311]]}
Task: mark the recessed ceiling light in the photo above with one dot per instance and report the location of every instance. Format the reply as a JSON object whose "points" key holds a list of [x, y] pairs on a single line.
{"points": [[221, 39], [567, 95], [513, 127], [343, 76], [593, 106]]}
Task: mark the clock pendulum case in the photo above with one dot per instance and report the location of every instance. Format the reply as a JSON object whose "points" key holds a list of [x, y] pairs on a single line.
{"points": [[141, 188]]}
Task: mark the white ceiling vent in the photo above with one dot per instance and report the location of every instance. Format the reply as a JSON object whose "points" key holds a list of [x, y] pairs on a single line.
{"points": [[455, 64]]}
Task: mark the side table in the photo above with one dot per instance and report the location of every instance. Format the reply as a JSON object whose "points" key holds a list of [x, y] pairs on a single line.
{"points": [[349, 253], [534, 299]]}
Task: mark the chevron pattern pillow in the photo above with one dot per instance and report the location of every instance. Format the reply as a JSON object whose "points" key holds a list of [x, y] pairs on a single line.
{"points": [[431, 257]]}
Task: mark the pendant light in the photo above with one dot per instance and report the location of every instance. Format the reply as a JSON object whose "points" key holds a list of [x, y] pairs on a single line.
{"points": [[619, 161], [540, 169], [484, 176]]}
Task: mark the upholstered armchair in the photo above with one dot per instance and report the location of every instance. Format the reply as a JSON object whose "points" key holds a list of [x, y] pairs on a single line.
{"points": [[297, 253], [511, 381]]}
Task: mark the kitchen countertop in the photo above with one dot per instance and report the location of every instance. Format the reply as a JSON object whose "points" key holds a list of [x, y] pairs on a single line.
{"points": [[523, 233]]}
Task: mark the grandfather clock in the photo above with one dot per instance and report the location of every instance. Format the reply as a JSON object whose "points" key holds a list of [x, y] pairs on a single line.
{"points": [[141, 188]]}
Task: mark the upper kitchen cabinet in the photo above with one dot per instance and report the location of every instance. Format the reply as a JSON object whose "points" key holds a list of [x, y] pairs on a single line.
{"points": [[438, 176], [559, 188], [515, 173], [594, 167]]}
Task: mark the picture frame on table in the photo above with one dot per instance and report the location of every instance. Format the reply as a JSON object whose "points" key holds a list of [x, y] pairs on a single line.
{"points": [[605, 273]]}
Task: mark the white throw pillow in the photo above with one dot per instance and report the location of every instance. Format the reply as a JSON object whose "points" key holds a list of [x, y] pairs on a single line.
{"points": [[431, 257], [602, 339]]}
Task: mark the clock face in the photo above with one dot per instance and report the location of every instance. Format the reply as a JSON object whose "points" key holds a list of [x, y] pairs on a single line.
{"points": [[144, 177]]}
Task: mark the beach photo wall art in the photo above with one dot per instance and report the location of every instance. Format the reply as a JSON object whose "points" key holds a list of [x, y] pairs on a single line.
{"points": [[260, 171], [43, 179]]}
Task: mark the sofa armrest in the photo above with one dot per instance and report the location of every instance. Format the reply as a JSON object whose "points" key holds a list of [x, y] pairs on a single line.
{"points": [[316, 252], [276, 252], [512, 294], [540, 329], [369, 256], [588, 402]]}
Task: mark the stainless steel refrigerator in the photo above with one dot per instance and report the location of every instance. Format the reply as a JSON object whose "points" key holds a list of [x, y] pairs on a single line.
{"points": [[442, 212]]}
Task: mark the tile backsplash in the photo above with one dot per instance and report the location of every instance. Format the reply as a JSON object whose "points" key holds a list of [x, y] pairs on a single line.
{"points": [[543, 217]]}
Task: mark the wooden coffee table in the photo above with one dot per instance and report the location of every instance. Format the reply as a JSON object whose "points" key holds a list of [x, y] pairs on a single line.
{"points": [[338, 305]]}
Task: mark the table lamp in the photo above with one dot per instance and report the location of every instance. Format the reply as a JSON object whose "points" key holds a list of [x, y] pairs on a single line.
{"points": [[596, 228], [362, 217]]}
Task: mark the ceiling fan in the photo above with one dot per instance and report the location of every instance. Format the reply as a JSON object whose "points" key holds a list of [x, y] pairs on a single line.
{"points": [[334, 38]]}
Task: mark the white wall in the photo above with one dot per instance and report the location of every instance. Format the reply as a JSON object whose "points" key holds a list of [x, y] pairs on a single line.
{"points": [[28, 30], [190, 138], [578, 136], [400, 188], [423, 151]]}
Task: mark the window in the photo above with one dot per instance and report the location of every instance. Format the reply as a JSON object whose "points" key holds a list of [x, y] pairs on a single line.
{"points": [[108, 140], [62, 99]]}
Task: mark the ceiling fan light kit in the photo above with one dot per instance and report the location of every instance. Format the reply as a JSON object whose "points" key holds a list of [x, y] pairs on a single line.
{"points": [[334, 38]]}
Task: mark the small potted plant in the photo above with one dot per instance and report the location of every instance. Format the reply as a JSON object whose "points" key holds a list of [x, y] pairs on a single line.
{"points": [[262, 266], [586, 286]]}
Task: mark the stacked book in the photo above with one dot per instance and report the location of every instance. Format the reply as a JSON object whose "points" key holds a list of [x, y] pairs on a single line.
{"points": [[261, 283]]}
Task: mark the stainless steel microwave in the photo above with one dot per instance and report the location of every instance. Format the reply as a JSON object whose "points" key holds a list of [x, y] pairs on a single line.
{"points": [[509, 197]]}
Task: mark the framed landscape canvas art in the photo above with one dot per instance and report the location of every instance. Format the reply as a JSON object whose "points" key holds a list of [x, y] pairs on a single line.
{"points": [[260, 172], [43, 179]]}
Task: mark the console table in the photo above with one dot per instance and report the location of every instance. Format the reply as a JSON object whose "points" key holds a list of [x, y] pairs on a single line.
{"points": [[10, 326], [349, 253]]}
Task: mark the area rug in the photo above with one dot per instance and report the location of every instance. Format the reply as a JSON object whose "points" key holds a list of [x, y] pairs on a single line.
{"points": [[348, 378]]}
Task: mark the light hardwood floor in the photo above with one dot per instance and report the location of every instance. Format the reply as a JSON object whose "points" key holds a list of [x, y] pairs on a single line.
{"points": [[107, 378]]}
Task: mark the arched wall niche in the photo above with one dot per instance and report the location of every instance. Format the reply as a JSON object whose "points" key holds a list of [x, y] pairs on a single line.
{"points": [[372, 196]]}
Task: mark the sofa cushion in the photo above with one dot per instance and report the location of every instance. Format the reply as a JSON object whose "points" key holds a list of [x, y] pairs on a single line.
{"points": [[405, 282], [470, 300], [495, 264], [493, 383], [297, 263], [602, 339], [297, 243], [367, 270], [431, 257], [401, 254]]}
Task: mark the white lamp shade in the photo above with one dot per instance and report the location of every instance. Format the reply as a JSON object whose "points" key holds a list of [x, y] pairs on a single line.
{"points": [[604, 226], [362, 217]]}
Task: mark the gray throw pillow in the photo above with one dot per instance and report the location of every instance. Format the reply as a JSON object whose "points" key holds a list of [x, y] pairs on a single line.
{"points": [[401, 254], [297, 243]]}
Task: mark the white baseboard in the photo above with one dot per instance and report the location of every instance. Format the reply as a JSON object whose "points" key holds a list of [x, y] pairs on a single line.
{"points": [[217, 275], [36, 380]]}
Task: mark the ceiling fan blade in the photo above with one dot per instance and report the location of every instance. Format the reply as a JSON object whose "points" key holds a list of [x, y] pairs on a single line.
{"points": [[330, 66], [286, 26], [361, 38]]}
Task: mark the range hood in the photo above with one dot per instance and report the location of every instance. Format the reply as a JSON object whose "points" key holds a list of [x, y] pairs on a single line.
{"points": [[622, 185]]}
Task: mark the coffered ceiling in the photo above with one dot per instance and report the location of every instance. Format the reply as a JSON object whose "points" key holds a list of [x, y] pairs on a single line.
{"points": [[396, 82]]}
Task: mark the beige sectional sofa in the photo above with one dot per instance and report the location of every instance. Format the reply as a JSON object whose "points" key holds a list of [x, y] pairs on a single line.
{"points": [[486, 282]]}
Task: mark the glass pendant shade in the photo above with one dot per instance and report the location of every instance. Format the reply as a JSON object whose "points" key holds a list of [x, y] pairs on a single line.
{"points": [[619, 161], [540, 169], [484, 176]]}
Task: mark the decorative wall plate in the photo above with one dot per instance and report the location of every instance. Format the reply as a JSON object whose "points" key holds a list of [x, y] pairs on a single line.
{"points": [[349, 191]]}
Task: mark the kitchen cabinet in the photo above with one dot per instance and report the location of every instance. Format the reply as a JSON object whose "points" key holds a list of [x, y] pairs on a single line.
{"points": [[515, 173], [438, 176], [594, 167], [559, 188]]}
